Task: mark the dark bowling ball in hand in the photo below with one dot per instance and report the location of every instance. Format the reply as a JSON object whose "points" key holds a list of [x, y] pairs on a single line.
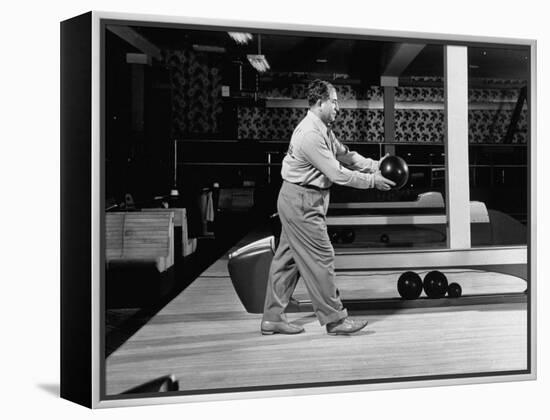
{"points": [[348, 236], [395, 169], [409, 285], [435, 284], [454, 290]]}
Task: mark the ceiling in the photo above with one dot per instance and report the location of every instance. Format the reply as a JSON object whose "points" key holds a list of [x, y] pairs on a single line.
{"points": [[359, 59]]}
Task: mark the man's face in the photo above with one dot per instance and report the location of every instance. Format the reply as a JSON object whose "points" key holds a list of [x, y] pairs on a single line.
{"points": [[329, 108]]}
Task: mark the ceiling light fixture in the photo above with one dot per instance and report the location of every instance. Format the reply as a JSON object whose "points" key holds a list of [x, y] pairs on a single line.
{"points": [[258, 61], [241, 38]]}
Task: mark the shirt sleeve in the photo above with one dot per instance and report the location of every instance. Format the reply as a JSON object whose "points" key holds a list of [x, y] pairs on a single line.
{"points": [[354, 160], [317, 152]]}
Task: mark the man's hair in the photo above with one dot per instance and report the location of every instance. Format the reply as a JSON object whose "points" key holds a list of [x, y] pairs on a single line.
{"points": [[318, 89]]}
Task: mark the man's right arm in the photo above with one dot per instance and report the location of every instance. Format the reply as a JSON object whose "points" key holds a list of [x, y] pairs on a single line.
{"points": [[319, 155]]}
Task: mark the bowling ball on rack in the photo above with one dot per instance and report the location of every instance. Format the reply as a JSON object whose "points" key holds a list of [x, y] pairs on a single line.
{"points": [[334, 236], [347, 236], [435, 284], [454, 290], [395, 169], [409, 285]]}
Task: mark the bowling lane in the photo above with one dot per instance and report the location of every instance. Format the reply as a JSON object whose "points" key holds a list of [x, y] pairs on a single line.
{"points": [[209, 342]]}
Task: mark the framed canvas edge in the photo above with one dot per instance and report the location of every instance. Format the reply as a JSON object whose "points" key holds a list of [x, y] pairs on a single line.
{"points": [[96, 246], [296, 392], [532, 214], [95, 212], [298, 27]]}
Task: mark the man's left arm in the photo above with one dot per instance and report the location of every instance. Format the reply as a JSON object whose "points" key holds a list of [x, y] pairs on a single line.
{"points": [[354, 160]]}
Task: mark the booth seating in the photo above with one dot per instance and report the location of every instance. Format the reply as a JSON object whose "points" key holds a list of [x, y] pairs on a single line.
{"points": [[135, 236], [139, 257], [184, 246]]}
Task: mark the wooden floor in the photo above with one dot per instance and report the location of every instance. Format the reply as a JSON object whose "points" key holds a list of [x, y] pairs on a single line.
{"points": [[208, 341]]}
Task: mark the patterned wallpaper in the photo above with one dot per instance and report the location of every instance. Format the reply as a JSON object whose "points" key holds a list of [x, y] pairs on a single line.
{"points": [[411, 125], [435, 94], [419, 94], [345, 92], [196, 99], [261, 123], [490, 126], [197, 109], [279, 123], [419, 125]]}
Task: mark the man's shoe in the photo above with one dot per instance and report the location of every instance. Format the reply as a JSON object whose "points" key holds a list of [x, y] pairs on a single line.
{"points": [[345, 326], [280, 327]]}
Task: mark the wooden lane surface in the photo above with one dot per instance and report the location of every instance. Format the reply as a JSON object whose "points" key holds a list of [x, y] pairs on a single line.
{"points": [[208, 341]]}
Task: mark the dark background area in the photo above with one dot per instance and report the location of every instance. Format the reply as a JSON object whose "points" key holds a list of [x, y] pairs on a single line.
{"points": [[241, 138]]}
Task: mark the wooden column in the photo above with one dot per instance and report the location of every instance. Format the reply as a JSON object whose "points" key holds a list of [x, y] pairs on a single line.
{"points": [[389, 84], [457, 194]]}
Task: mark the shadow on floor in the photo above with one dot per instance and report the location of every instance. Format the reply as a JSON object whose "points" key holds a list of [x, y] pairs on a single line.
{"points": [[52, 389]]}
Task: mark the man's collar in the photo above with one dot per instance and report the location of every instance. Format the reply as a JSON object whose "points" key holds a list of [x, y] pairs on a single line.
{"points": [[320, 124]]}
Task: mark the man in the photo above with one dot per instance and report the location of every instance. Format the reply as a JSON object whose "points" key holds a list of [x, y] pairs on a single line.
{"points": [[314, 161]]}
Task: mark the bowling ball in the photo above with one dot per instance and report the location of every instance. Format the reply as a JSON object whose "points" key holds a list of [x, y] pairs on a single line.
{"points": [[435, 284], [454, 290], [347, 236], [395, 169], [334, 236], [409, 285]]}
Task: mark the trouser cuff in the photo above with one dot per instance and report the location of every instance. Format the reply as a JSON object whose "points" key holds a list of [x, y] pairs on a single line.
{"points": [[274, 317], [336, 316]]}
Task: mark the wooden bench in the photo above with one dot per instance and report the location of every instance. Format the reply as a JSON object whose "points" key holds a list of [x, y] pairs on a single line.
{"points": [[188, 245], [140, 237]]}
